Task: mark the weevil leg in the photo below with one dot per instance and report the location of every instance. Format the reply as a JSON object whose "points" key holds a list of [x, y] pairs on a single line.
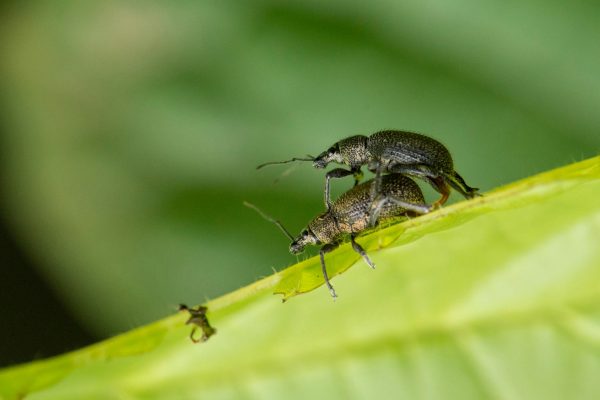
{"points": [[378, 168], [437, 181], [358, 175], [440, 185], [416, 170], [358, 248], [326, 249], [378, 205], [416, 208], [335, 173], [375, 207], [459, 184]]}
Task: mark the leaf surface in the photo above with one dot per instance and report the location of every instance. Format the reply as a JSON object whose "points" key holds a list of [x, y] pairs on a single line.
{"points": [[497, 297]]}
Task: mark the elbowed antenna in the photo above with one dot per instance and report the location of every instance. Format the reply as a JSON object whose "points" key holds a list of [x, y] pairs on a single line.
{"points": [[270, 219], [310, 158]]}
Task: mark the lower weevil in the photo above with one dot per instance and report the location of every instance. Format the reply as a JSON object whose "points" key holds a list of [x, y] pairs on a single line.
{"points": [[352, 214]]}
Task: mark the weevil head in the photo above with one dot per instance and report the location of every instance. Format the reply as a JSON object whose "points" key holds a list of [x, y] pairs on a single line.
{"points": [[305, 238], [351, 151], [330, 155], [321, 230]]}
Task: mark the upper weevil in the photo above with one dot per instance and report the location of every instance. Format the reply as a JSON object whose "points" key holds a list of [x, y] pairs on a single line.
{"points": [[352, 213], [392, 151]]}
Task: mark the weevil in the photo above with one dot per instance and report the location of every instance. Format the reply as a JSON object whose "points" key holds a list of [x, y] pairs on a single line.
{"points": [[392, 151], [352, 214]]}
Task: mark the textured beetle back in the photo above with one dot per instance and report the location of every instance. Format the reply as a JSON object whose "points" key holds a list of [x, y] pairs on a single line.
{"points": [[351, 209], [402, 147]]}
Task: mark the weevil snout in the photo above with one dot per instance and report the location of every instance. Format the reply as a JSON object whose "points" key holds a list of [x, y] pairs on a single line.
{"points": [[320, 163], [330, 155], [296, 248], [305, 238]]}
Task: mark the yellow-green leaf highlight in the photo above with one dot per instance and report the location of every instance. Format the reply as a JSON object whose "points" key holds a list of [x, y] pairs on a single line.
{"points": [[498, 297]]}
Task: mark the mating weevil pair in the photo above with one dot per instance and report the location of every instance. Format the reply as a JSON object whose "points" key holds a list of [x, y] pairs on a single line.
{"points": [[393, 156]]}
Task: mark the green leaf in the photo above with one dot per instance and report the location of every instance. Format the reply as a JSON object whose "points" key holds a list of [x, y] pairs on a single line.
{"points": [[497, 297]]}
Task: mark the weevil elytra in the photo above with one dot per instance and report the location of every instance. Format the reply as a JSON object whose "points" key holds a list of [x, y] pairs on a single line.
{"points": [[392, 151], [199, 320], [353, 213]]}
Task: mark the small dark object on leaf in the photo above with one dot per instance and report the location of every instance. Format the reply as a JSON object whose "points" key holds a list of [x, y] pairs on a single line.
{"points": [[198, 318]]}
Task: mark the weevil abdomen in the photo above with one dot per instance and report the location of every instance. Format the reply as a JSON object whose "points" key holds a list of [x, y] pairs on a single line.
{"points": [[409, 148], [352, 209]]}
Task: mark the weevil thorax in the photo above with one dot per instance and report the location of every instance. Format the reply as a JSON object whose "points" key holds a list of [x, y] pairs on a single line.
{"points": [[324, 228], [351, 151], [354, 151]]}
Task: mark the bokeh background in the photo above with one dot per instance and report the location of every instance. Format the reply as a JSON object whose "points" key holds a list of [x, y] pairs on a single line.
{"points": [[131, 132]]}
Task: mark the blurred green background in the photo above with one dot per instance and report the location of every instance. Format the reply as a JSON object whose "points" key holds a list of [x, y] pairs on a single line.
{"points": [[131, 132]]}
